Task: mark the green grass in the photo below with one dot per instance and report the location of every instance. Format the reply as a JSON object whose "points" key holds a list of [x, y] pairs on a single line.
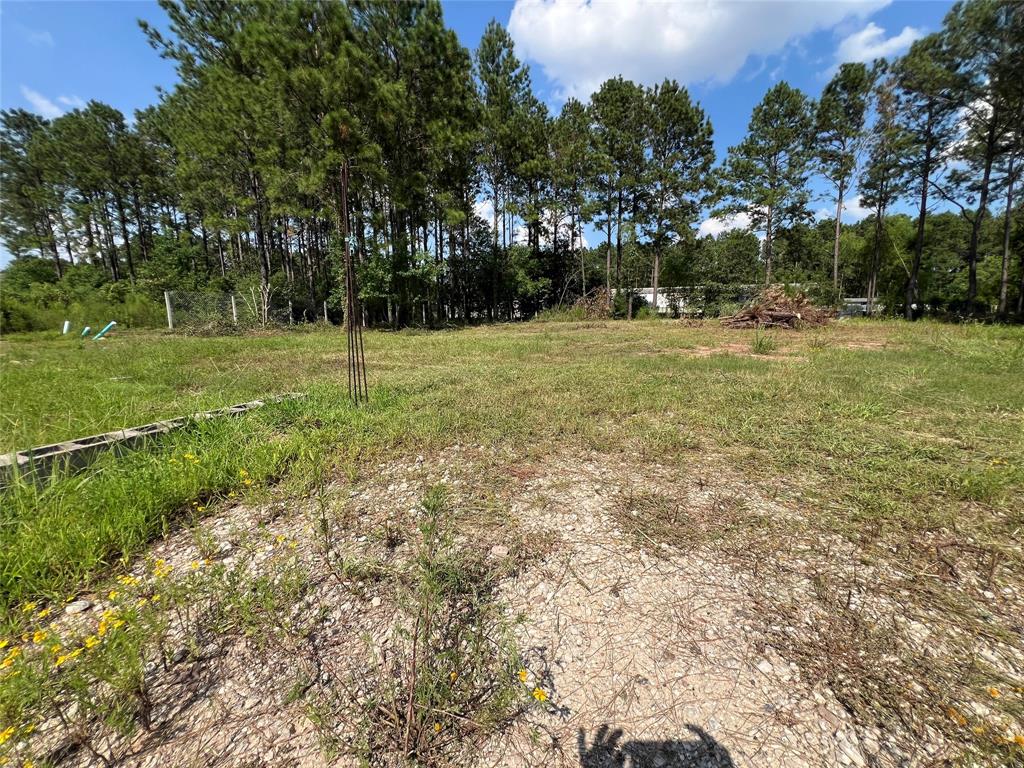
{"points": [[882, 424]]}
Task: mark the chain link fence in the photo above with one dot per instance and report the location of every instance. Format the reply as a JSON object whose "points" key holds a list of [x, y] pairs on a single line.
{"points": [[212, 312]]}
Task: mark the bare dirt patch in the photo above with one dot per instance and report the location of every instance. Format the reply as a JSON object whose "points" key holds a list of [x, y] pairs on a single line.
{"points": [[667, 617]]}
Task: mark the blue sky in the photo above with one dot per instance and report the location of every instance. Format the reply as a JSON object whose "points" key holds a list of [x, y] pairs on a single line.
{"points": [[57, 55]]}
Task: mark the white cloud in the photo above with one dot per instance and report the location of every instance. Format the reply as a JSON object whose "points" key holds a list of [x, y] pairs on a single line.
{"points": [[36, 36], [716, 226], [871, 43], [853, 211], [75, 102], [581, 43], [484, 208], [41, 104]]}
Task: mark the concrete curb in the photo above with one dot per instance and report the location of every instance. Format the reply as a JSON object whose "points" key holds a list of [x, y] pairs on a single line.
{"points": [[40, 462]]}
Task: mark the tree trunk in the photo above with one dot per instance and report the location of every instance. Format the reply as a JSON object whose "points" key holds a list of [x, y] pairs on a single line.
{"points": [[108, 232], [876, 261], [835, 242], [768, 249], [220, 254], [51, 241], [1004, 279], [572, 250], [979, 217], [126, 236], [608, 258], [143, 235], [915, 267], [618, 241]]}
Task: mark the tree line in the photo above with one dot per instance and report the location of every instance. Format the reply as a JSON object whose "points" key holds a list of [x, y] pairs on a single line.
{"points": [[466, 199]]}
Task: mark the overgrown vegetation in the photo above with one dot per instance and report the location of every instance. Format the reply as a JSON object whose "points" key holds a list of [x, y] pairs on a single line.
{"points": [[447, 675]]}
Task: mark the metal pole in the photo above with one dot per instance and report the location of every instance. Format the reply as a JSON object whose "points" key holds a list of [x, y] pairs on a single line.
{"points": [[170, 310], [234, 310]]}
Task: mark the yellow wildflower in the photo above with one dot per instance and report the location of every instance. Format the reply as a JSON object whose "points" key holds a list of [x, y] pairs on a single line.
{"points": [[4, 643], [28, 607], [92, 641], [232, 495], [6, 734], [55, 648], [994, 692], [523, 674], [437, 727], [195, 565], [243, 473], [65, 658], [540, 694], [247, 482], [128, 580], [200, 508], [454, 676], [162, 568], [112, 595], [279, 539], [1019, 740], [39, 637], [43, 613], [10, 657]]}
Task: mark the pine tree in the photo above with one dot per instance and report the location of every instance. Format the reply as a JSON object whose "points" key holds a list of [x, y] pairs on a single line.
{"points": [[882, 181], [923, 77], [678, 172], [619, 110], [839, 135], [765, 175]]}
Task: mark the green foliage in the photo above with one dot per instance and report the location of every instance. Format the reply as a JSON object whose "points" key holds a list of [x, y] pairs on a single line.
{"points": [[233, 178], [80, 297], [765, 175]]}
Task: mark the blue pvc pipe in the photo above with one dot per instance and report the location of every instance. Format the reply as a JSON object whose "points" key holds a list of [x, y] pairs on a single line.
{"points": [[106, 328], [85, 331]]}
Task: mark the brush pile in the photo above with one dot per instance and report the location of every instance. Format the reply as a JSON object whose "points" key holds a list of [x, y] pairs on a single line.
{"points": [[774, 308], [595, 305]]}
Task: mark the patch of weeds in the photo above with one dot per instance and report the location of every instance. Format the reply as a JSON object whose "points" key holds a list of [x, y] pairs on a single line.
{"points": [[65, 689], [763, 343], [448, 674], [86, 684], [818, 342]]}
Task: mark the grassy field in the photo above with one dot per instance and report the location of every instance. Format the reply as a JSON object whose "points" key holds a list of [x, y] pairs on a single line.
{"points": [[898, 448], [882, 424]]}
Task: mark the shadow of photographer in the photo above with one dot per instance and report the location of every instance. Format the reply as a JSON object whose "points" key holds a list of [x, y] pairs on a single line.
{"points": [[607, 750]]}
